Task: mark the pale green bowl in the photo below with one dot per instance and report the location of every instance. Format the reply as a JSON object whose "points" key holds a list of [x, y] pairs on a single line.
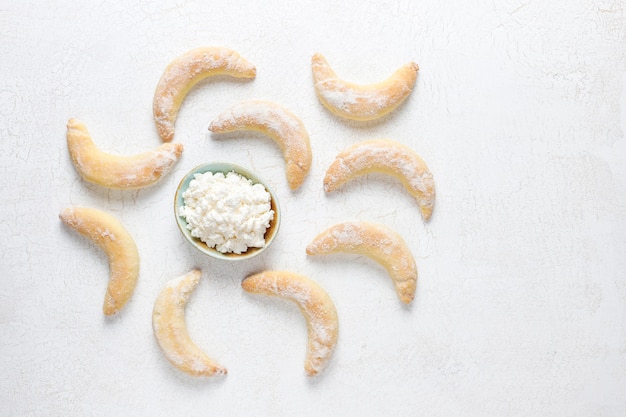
{"points": [[225, 167]]}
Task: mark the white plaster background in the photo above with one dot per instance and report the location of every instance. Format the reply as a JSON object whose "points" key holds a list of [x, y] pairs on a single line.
{"points": [[519, 110]]}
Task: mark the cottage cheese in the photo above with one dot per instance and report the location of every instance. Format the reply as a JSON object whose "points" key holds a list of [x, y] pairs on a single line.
{"points": [[227, 212]]}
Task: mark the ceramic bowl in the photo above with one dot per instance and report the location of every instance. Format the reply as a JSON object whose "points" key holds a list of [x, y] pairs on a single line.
{"points": [[225, 167]]}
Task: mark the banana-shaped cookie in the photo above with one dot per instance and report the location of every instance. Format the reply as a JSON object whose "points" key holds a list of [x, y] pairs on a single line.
{"points": [[187, 70], [377, 242], [114, 171], [357, 101], [170, 328], [315, 304], [388, 157], [275, 121], [109, 234]]}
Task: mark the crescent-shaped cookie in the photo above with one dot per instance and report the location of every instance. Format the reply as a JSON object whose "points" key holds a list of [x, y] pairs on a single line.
{"points": [[280, 124], [315, 304], [111, 236], [388, 157], [361, 101], [170, 328], [115, 171], [187, 70], [377, 242]]}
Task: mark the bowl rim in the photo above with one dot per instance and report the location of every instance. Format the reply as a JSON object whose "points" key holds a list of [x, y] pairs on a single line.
{"points": [[225, 167]]}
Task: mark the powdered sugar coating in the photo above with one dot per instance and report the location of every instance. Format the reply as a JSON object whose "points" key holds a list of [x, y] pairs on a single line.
{"points": [[107, 232], [280, 124], [361, 102], [170, 328], [118, 171], [389, 157], [377, 242], [316, 306], [227, 212], [187, 70]]}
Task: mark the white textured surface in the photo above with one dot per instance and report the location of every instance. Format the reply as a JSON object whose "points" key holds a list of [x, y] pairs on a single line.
{"points": [[519, 110]]}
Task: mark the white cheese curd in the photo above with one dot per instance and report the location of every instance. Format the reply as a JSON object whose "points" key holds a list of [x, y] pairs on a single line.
{"points": [[227, 212]]}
